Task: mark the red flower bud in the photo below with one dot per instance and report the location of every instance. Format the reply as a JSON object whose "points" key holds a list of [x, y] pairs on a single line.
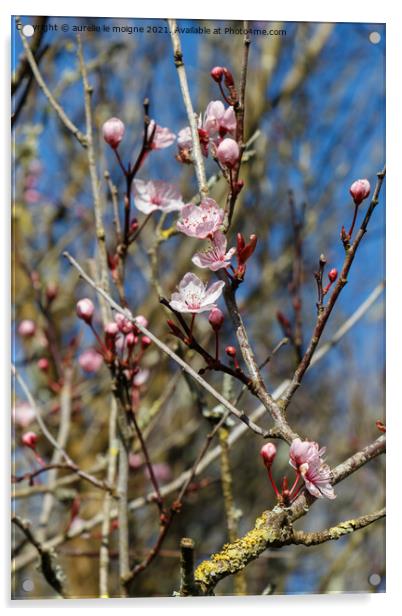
{"points": [[229, 81], [216, 319], [145, 342], [176, 331], [333, 275], [217, 74], [29, 439], [43, 364], [231, 351]]}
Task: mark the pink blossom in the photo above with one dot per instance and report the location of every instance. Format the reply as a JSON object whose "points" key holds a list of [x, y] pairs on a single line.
{"points": [[228, 153], [90, 360], [85, 310], [360, 190], [163, 137], [194, 296], [156, 195], [23, 414], [219, 121], [113, 132], [184, 138], [26, 328], [317, 477], [215, 257], [200, 220], [302, 452]]}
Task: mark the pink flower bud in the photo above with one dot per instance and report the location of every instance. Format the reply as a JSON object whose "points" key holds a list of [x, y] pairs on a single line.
{"points": [[228, 153], [90, 360], [43, 364], [141, 320], [124, 325], [26, 328], [85, 310], [145, 342], [216, 319], [131, 340], [333, 275], [113, 132], [51, 291], [29, 439], [231, 351], [360, 190], [268, 453], [111, 329], [217, 74]]}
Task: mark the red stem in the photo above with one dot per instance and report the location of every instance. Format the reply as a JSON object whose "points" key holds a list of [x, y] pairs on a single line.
{"points": [[273, 482], [353, 222]]}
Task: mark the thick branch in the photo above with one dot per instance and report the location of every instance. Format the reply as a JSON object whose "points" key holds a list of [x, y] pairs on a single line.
{"points": [[274, 528], [336, 532], [192, 117]]}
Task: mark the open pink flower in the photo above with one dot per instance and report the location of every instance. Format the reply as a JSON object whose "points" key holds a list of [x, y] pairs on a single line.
{"points": [[194, 296], [219, 121], [200, 220], [156, 195], [302, 452], [90, 360], [317, 477], [163, 137], [215, 257]]}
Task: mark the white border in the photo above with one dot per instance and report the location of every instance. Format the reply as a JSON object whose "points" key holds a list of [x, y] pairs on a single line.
{"points": [[292, 10]]}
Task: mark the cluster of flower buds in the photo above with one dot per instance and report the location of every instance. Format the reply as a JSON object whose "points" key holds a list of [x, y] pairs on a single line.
{"points": [[122, 348], [223, 76], [306, 459], [215, 126]]}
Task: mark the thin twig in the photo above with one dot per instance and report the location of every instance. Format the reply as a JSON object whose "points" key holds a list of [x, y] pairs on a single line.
{"points": [[52, 571], [192, 117], [325, 313], [41, 83], [27, 557], [239, 414]]}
